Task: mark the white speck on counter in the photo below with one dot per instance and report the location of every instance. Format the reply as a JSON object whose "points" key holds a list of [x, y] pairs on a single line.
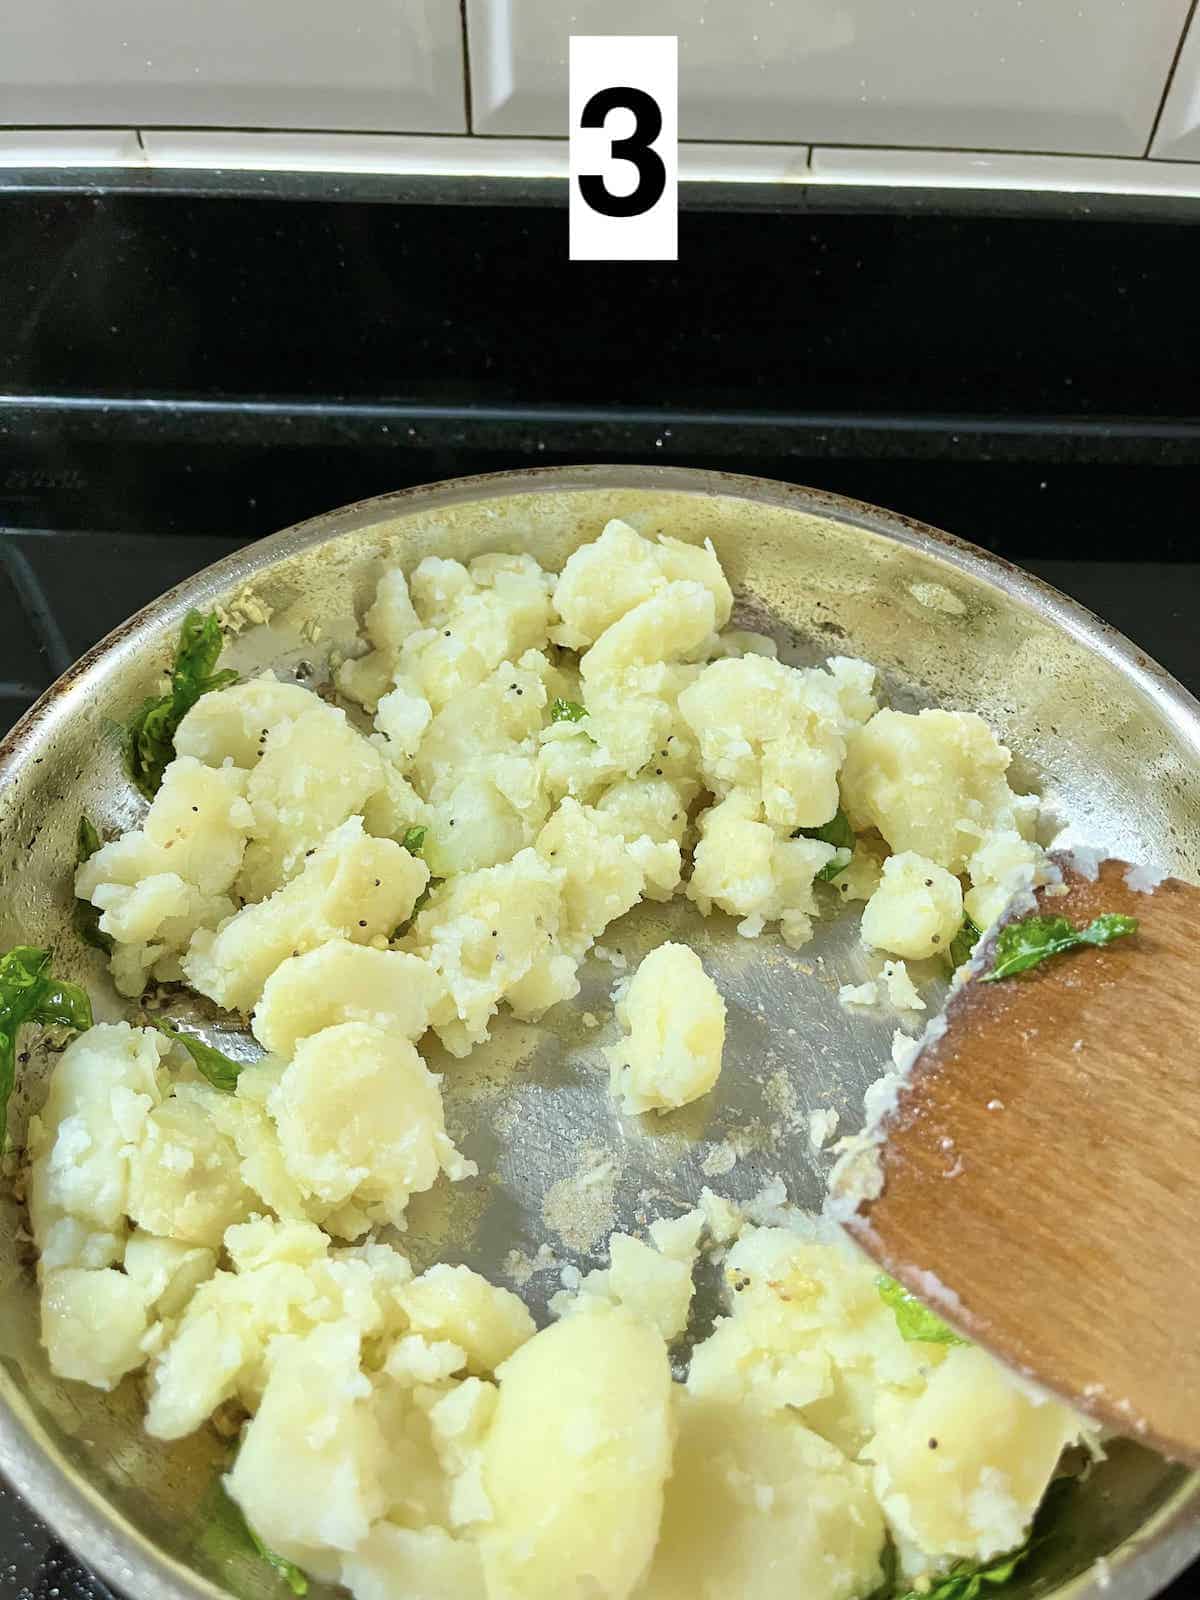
{"points": [[1143, 879], [995, 1105], [1078, 1045]]}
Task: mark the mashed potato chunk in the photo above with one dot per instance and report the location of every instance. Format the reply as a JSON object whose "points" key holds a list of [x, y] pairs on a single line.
{"points": [[960, 1469], [675, 1021], [360, 1117], [763, 1509], [345, 982], [352, 887], [604, 580], [934, 783], [916, 910], [576, 1458], [775, 733], [742, 866], [455, 1304]]}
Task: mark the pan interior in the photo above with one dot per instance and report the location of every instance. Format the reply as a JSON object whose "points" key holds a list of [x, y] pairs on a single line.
{"points": [[1114, 755]]}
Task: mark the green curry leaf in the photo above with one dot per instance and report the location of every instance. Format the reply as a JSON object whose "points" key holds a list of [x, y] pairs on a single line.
{"points": [[150, 736], [1021, 945]]}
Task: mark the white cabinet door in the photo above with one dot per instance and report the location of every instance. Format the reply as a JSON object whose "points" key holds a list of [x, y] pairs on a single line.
{"points": [[382, 65], [1057, 75], [1178, 135]]}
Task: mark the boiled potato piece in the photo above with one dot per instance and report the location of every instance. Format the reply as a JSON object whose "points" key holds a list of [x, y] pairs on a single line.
{"points": [[633, 713], [807, 1331], [228, 724], [762, 1509], [1004, 865], [934, 783], [604, 580], [675, 1021], [345, 982], [672, 623], [104, 1086], [353, 887], [309, 1473], [655, 1287], [601, 879], [286, 1280], [576, 1458], [200, 819], [483, 933], [314, 772], [93, 1324], [960, 1470], [184, 1174], [773, 732], [389, 621], [743, 867], [416, 1563], [455, 1304], [168, 1271], [916, 910], [360, 1117]]}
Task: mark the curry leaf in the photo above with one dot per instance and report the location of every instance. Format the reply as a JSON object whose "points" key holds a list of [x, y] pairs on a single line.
{"points": [[30, 993], [87, 916], [965, 1580], [914, 1320], [567, 711], [150, 736], [414, 840], [1024, 944], [219, 1069], [964, 941], [837, 831]]}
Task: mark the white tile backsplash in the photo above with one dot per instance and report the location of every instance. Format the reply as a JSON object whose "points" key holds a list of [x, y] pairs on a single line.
{"points": [[360, 64], [1178, 133], [967, 169], [1061, 75]]}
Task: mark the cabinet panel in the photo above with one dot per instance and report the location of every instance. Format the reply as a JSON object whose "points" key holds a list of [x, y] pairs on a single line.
{"points": [[1056, 75], [363, 64]]}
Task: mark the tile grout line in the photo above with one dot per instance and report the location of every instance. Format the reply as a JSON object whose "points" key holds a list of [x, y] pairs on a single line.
{"points": [[1166, 94], [31, 594], [468, 101]]}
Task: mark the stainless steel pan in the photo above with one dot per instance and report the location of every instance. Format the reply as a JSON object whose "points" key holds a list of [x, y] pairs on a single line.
{"points": [[1106, 733]]}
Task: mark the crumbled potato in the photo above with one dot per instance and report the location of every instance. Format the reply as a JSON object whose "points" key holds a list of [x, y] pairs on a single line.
{"points": [[93, 1324], [764, 1509], [934, 783], [606, 579], [345, 982], [743, 867], [314, 772], [453, 1303], [576, 1459], [675, 1018], [352, 887], [960, 1470], [553, 749], [916, 910], [1004, 864], [772, 732], [360, 1118]]}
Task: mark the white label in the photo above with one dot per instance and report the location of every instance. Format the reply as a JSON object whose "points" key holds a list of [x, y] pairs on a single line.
{"points": [[624, 148]]}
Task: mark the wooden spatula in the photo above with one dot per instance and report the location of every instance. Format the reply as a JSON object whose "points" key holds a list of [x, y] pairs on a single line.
{"points": [[1042, 1170]]}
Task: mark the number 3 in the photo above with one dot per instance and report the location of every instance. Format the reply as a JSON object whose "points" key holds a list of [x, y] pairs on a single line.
{"points": [[652, 175]]}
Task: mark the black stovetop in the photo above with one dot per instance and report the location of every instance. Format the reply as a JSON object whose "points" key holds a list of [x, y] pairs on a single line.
{"points": [[182, 373]]}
